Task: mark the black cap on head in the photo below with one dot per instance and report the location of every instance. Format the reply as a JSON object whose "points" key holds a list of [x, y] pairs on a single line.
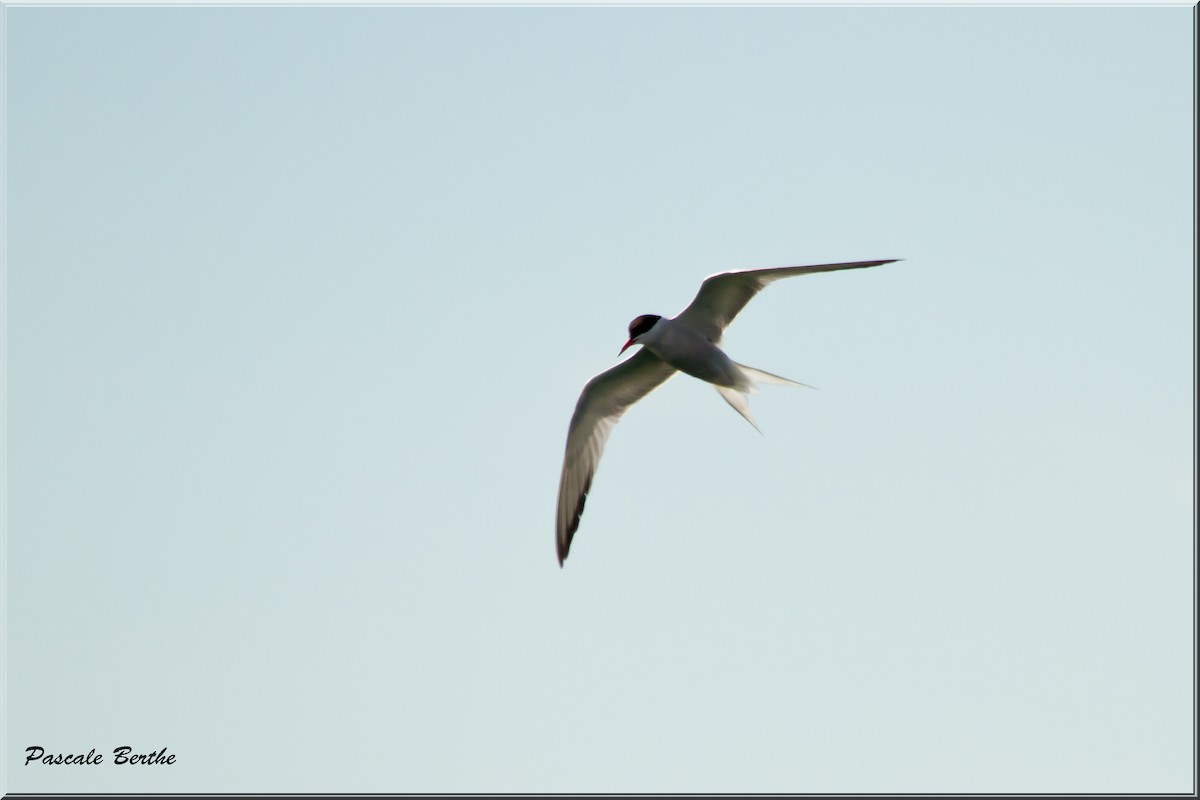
{"points": [[642, 324]]}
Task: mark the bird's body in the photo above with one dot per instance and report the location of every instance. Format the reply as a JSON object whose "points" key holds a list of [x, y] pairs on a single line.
{"points": [[691, 353], [688, 343]]}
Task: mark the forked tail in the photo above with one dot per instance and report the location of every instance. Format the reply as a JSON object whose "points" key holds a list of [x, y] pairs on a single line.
{"points": [[761, 376], [739, 400]]}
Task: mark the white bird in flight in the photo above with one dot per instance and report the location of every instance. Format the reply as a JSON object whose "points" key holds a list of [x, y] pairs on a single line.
{"points": [[687, 343]]}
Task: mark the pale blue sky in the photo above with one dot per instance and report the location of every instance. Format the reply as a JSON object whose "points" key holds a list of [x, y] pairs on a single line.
{"points": [[299, 302]]}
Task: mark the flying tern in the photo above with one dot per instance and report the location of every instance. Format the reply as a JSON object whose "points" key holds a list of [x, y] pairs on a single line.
{"points": [[690, 343]]}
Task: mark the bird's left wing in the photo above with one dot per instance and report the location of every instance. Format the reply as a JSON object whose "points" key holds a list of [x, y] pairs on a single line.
{"points": [[722, 296], [604, 399]]}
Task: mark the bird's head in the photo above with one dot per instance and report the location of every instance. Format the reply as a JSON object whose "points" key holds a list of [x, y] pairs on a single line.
{"points": [[639, 328]]}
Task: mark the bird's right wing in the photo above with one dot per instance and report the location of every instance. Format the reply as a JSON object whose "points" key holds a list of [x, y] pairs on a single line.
{"points": [[722, 296], [604, 399]]}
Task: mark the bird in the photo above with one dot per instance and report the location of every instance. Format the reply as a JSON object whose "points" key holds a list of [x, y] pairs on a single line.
{"points": [[690, 343]]}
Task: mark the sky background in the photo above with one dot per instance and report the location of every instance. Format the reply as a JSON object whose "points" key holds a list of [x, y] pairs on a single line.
{"points": [[300, 300]]}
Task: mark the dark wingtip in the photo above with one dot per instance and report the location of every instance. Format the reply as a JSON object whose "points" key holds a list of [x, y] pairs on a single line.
{"points": [[564, 543]]}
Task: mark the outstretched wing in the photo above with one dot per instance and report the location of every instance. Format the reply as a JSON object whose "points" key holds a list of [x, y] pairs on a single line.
{"points": [[722, 296], [604, 399]]}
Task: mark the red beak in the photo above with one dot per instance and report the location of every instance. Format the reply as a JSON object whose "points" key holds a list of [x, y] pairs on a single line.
{"points": [[626, 347]]}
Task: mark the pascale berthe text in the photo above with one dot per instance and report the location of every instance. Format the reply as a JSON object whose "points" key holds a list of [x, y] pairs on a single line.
{"points": [[121, 755]]}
